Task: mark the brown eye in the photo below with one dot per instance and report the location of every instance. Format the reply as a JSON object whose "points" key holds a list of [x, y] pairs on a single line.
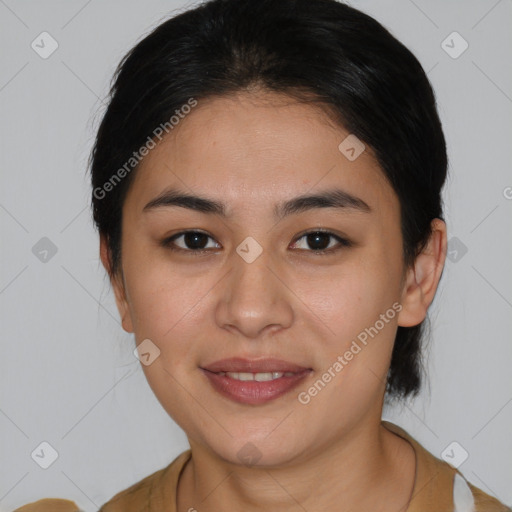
{"points": [[322, 241], [190, 241]]}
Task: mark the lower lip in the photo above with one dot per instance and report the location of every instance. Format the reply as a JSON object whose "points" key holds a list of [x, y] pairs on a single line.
{"points": [[253, 392]]}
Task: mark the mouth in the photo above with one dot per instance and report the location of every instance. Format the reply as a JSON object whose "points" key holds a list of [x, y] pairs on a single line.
{"points": [[254, 382]]}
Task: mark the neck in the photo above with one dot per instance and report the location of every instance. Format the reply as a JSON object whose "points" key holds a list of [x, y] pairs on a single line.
{"points": [[372, 469]]}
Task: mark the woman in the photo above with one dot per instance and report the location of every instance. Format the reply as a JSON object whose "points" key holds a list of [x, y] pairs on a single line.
{"points": [[267, 188]]}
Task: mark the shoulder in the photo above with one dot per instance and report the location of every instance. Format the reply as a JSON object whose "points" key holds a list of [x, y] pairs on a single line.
{"points": [[440, 486], [485, 503], [137, 495], [151, 492], [50, 505]]}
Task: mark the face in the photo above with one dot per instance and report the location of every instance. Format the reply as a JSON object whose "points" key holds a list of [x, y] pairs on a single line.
{"points": [[258, 275]]}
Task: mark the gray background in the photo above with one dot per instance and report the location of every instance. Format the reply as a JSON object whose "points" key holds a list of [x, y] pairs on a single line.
{"points": [[68, 375]]}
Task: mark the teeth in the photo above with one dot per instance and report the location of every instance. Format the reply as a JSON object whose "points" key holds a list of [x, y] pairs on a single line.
{"points": [[259, 377]]}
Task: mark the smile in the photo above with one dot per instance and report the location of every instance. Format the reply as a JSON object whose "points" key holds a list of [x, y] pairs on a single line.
{"points": [[259, 377], [254, 382]]}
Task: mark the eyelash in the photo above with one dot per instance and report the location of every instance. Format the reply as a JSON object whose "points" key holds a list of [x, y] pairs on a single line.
{"points": [[168, 243]]}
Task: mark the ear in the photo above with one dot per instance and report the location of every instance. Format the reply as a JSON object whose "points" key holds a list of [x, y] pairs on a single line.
{"points": [[118, 285], [422, 278]]}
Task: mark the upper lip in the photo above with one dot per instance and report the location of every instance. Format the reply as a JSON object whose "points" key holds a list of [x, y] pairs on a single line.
{"points": [[239, 364]]}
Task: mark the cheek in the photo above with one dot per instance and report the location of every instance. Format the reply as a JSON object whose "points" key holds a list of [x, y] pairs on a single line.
{"points": [[158, 297], [165, 311], [351, 297], [361, 314]]}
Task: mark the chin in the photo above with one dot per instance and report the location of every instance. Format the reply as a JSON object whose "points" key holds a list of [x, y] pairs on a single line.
{"points": [[257, 450]]}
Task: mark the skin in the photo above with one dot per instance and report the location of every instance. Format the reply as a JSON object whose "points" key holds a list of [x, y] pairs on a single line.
{"points": [[251, 151]]}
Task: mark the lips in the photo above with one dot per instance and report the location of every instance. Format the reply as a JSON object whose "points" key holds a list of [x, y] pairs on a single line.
{"points": [[240, 365], [254, 382]]}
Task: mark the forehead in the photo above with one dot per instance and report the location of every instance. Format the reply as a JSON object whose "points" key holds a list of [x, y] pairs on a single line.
{"points": [[249, 149]]}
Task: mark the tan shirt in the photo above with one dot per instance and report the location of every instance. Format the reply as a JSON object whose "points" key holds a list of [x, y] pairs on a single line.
{"points": [[434, 486]]}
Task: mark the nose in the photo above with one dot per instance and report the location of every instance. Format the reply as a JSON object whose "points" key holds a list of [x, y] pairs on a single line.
{"points": [[254, 298]]}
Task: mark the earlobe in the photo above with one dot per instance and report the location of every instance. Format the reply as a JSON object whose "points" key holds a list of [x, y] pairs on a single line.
{"points": [[423, 277], [118, 286]]}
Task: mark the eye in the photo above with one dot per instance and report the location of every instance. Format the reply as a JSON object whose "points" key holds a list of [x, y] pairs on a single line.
{"points": [[317, 242], [190, 241], [320, 243]]}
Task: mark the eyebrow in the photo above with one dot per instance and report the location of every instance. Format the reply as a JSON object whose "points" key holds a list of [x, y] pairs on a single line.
{"points": [[332, 198]]}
